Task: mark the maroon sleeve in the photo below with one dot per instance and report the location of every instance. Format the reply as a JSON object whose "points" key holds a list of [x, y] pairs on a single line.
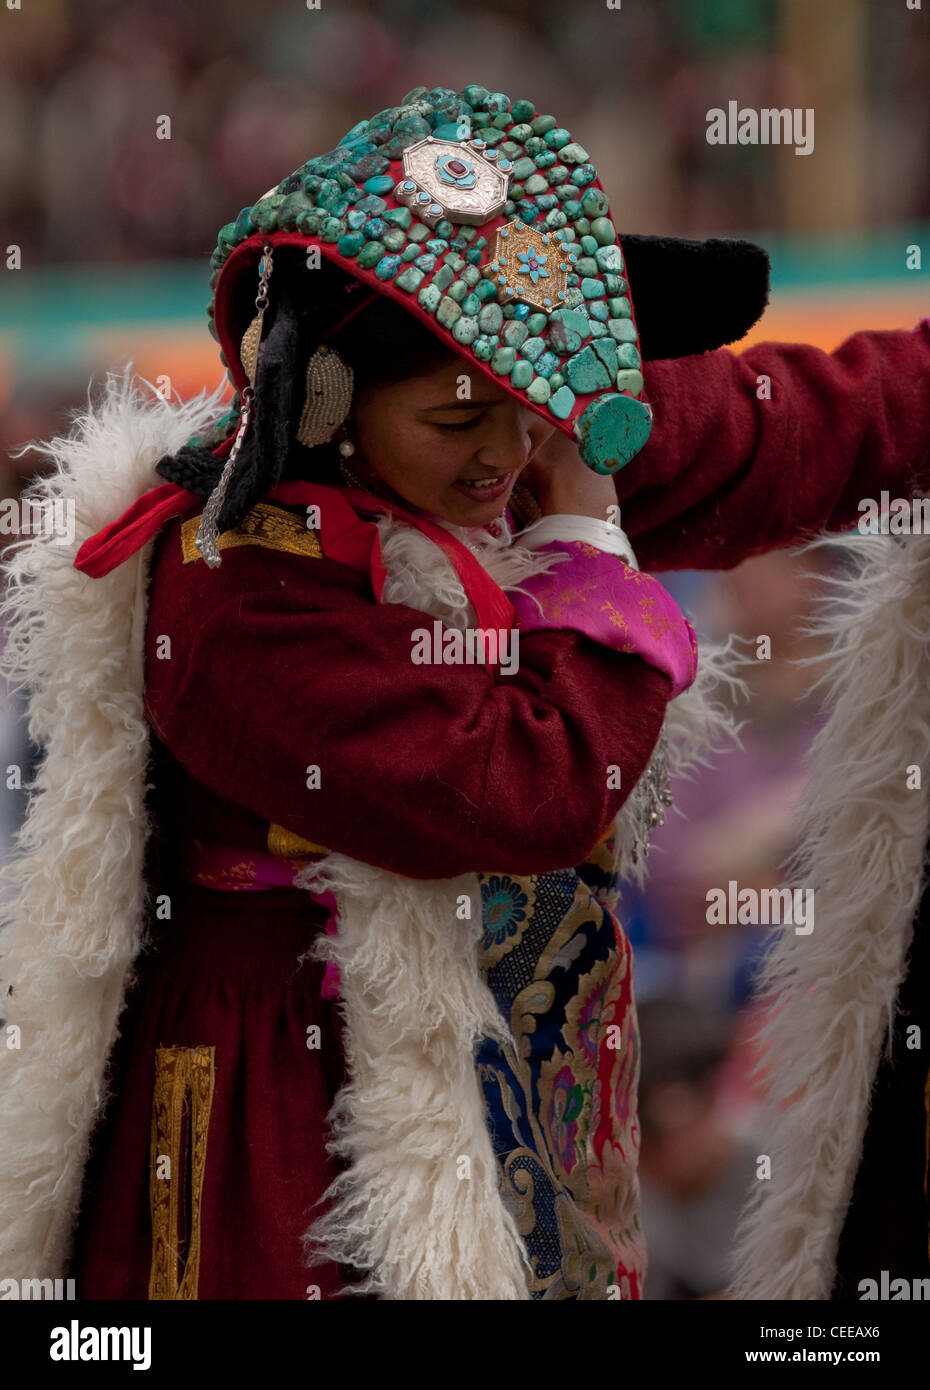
{"points": [[728, 473], [425, 770]]}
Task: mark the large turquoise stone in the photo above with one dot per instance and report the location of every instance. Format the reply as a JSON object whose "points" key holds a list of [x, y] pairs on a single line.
{"points": [[536, 323], [370, 255], [535, 184], [599, 310], [575, 154], [503, 360], [523, 111], [425, 261], [624, 330], [429, 298], [609, 257], [532, 348], [542, 124], [547, 364], [522, 375], [586, 372], [523, 169], [465, 330], [394, 239], [458, 291], [381, 183], [628, 356], [592, 288], [594, 203], [387, 267], [448, 312], [604, 230], [356, 219], [443, 277], [490, 318], [562, 403], [409, 280], [401, 217], [515, 333], [350, 244], [471, 304], [539, 390], [611, 431], [418, 232]]}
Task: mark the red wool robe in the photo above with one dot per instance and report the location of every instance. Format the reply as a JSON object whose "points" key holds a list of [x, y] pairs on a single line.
{"points": [[282, 659]]}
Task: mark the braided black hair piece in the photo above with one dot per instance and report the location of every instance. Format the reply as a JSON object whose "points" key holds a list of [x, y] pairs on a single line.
{"points": [[266, 446]]}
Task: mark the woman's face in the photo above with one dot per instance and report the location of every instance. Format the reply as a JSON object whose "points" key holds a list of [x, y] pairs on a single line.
{"points": [[434, 450]]}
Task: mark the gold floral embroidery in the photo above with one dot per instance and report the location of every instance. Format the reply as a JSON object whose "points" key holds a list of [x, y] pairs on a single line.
{"points": [[267, 525], [184, 1078]]}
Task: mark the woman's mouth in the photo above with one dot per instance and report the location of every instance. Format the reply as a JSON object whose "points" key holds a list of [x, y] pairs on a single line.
{"points": [[484, 489]]}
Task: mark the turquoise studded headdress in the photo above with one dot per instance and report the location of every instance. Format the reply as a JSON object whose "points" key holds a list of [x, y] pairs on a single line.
{"points": [[487, 221]]}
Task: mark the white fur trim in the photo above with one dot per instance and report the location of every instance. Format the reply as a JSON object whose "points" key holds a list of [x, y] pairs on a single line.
{"points": [[73, 916], [863, 841]]}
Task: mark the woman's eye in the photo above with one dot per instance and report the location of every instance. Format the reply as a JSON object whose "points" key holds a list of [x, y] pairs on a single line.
{"points": [[464, 425]]}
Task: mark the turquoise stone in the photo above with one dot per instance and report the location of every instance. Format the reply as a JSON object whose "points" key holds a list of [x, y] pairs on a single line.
{"points": [[523, 110], [598, 329], [454, 260], [537, 323], [372, 205], [586, 372], [522, 375], [485, 291], [448, 311], [557, 138], [473, 255], [539, 390], [381, 183], [470, 275], [373, 228], [594, 203], [350, 244], [623, 330], [309, 223], [503, 121], [471, 304], [522, 169], [546, 202], [429, 298], [401, 217], [542, 124], [575, 154], [465, 329], [572, 209], [611, 431], [521, 132], [563, 338], [410, 252], [545, 159], [556, 380], [624, 309], [409, 279], [630, 380], [497, 103], [606, 350], [604, 230], [444, 228], [418, 232], [467, 233], [265, 217], [609, 257], [536, 184], [532, 348], [616, 285], [592, 288], [503, 360], [437, 246], [515, 333], [453, 130], [562, 403], [586, 265], [533, 146], [332, 229], [425, 261], [510, 147], [547, 364], [582, 225], [555, 219], [628, 356], [458, 291], [387, 267], [476, 96], [443, 277], [356, 219], [394, 239], [484, 347], [490, 318], [599, 310], [557, 175]]}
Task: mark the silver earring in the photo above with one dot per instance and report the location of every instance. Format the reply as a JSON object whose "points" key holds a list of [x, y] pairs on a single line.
{"points": [[329, 397]]}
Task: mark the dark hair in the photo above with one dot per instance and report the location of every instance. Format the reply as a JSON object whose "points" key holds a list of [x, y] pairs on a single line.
{"points": [[382, 342]]}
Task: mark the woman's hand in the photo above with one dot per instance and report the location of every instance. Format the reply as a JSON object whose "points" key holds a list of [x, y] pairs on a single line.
{"points": [[562, 482]]}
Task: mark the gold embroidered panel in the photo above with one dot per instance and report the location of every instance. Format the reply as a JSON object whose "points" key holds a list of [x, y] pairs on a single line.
{"points": [[183, 1097], [266, 525]]}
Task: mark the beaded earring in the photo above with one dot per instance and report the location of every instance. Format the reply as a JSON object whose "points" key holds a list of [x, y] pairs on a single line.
{"points": [[329, 396]]}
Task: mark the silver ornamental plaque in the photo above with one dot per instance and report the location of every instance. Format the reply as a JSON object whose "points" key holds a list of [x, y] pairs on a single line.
{"points": [[463, 181]]}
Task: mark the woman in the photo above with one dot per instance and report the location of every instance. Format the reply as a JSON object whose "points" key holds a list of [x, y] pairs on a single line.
{"points": [[319, 761]]}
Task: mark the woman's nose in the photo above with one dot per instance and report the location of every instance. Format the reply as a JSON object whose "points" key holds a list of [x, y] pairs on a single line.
{"points": [[514, 438]]}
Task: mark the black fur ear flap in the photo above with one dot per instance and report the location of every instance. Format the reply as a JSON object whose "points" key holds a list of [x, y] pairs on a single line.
{"points": [[694, 296]]}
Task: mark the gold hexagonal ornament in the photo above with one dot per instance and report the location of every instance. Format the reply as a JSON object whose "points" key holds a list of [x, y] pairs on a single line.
{"points": [[529, 266], [464, 181]]}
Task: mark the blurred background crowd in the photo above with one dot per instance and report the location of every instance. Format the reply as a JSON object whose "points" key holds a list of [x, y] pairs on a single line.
{"points": [[115, 227]]}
